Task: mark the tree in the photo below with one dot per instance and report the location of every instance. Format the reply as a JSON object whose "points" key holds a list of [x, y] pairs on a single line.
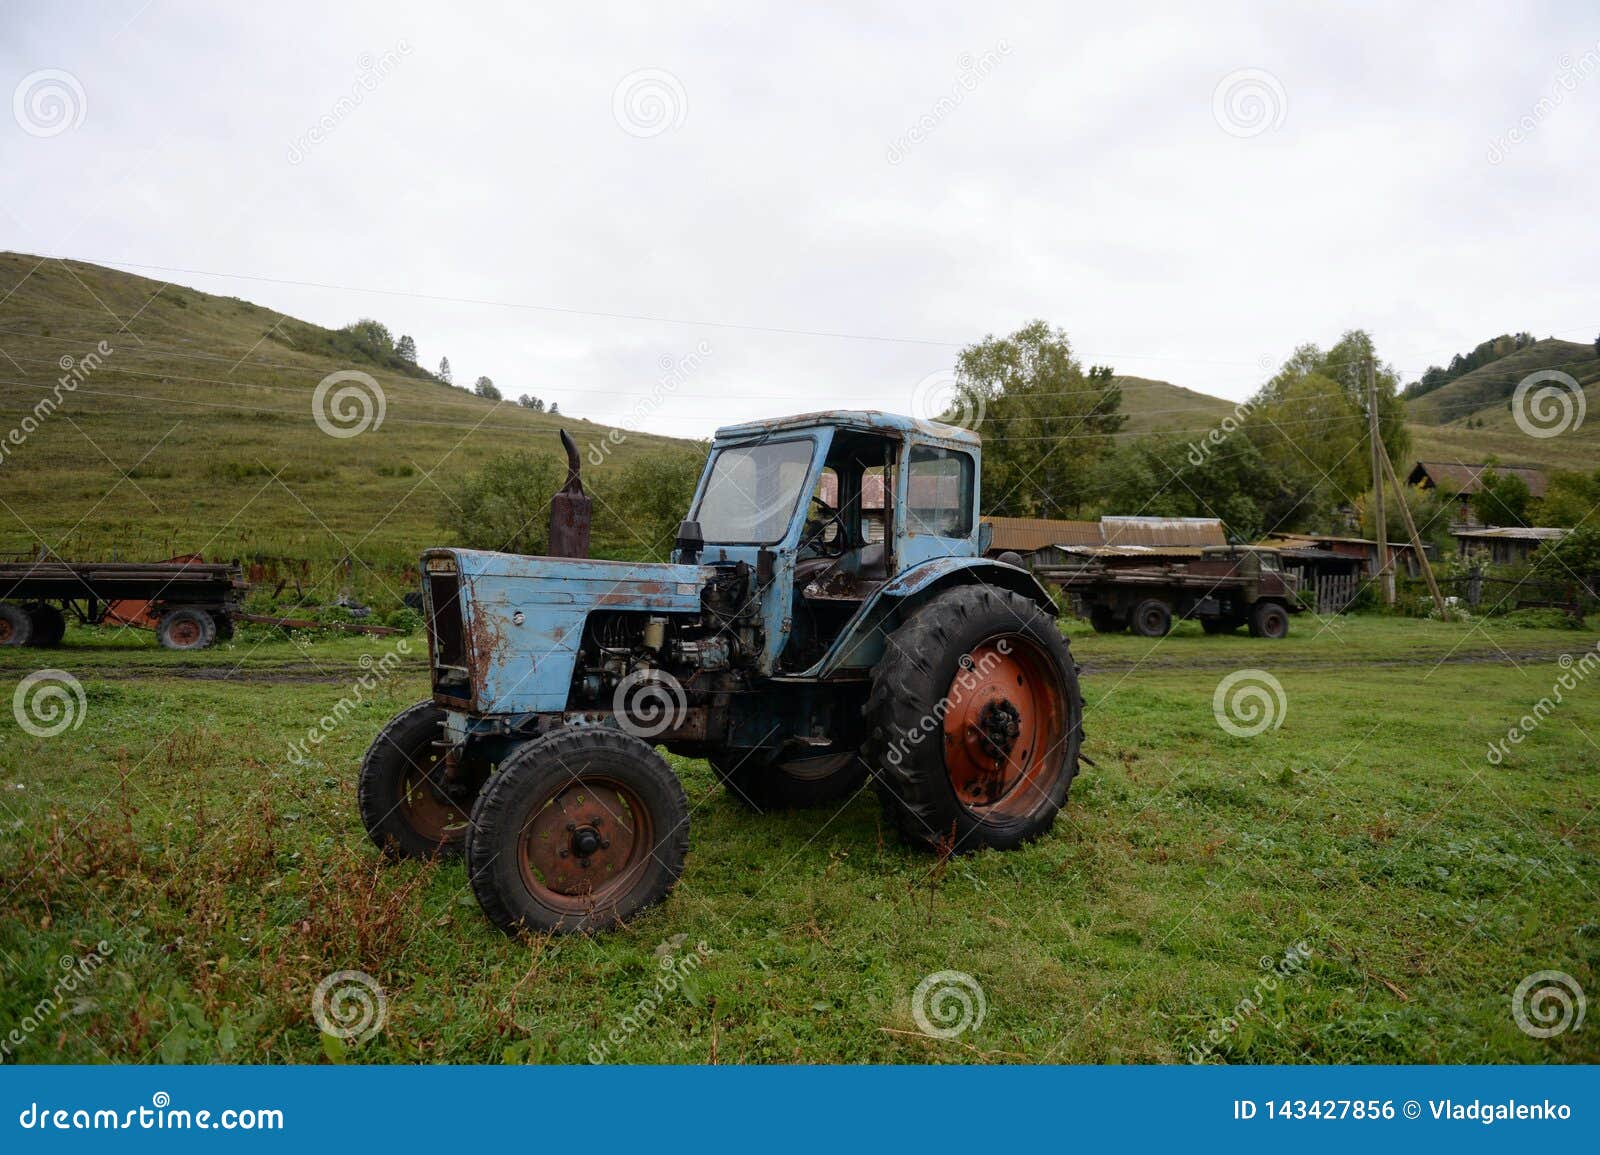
{"points": [[1046, 423], [1501, 499], [553, 408], [655, 490], [506, 505], [406, 349], [444, 371], [1578, 553], [372, 338], [1158, 476], [533, 403], [1569, 497], [486, 388]]}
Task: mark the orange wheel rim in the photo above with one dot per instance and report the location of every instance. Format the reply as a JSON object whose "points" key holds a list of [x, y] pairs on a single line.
{"points": [[585, 845], [425, 812], [1003, 726]]}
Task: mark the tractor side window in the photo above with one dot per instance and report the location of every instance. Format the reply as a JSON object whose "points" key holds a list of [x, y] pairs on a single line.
{"points": [[872, 504], [939, 492]]}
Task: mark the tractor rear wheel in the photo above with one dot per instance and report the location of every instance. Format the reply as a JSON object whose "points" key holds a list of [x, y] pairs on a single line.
{"points": [[49, 625], [1152, 618], [976, 721], [16, 625], [1105, 621], [186, 628], [578, 830], [406, 805], [1269, 620], [763, 782]]}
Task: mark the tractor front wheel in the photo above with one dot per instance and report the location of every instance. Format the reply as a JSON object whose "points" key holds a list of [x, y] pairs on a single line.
{"points": [[406, 804], [763, 782], [976, 721], [578, 830]]}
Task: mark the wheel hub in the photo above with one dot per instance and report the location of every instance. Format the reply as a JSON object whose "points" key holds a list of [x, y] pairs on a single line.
{"points": [[998, 727], [1002, 722], [583, 840]]}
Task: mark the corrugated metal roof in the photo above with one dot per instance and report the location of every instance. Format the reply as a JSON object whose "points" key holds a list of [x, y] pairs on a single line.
{"points": [[1195, 532], [1026, 534], [1514, 533], [1458, 477]]}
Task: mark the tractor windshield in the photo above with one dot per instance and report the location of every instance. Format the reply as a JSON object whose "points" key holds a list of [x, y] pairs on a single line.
{"points": [[751, 494]]}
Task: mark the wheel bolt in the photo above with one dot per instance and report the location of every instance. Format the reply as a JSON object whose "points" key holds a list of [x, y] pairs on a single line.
{"points": [[572, 826], [563, 853], [605, 844], [583, 862]]}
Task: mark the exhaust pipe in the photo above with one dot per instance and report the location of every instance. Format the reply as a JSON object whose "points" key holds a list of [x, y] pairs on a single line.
{"points": [[571, 510]]}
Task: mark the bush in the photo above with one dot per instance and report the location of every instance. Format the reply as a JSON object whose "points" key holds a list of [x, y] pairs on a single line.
{"points": [[1543, 618], [406, 619], [506, 505]]}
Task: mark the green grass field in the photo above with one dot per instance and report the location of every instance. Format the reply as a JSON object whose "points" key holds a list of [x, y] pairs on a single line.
{"points": [[227, 880]]}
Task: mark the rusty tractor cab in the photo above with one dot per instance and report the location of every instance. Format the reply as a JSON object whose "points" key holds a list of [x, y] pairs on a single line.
{"points": [[828, 617]]}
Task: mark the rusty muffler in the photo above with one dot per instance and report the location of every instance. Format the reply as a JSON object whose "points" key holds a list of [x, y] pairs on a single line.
{"points": [[571, 510]]}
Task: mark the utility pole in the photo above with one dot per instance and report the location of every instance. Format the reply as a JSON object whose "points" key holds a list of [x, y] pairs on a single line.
{"points": [[1379, 455], [1416, 538]]}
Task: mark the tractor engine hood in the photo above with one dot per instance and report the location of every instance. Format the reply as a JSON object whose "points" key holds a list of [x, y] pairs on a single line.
{"points": [[504, 629]]}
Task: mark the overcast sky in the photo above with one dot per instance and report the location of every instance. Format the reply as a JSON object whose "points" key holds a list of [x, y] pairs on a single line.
{"points": [[1189, 191]]}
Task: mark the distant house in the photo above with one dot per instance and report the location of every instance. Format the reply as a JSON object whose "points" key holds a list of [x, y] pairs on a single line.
{"points": [[1043, 541], [1462, 481], [1321, 553], [1503, 545]]}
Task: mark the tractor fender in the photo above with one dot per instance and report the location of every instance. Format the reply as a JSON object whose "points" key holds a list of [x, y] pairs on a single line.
{"points": [[861, 641]]}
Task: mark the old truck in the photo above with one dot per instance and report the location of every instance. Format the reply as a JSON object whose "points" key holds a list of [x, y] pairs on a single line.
{"points": [[1224, 588], [827, 618]]}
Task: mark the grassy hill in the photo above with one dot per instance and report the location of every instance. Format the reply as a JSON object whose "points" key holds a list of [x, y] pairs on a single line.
{"points": [[196, 431], [1469, 419], [1155, 405]]}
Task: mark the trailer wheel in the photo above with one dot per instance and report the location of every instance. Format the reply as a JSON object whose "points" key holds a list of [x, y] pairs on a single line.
{"points": [[1105, 620], [577, 831], [1269, 620], [763, 782], [49, 625], [186, 628], [400, 794], [976, 721], [1152, 618], [16, 625]]}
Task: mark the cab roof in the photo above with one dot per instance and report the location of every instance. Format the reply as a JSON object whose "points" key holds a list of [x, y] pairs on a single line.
{"points": [[869, 420]]}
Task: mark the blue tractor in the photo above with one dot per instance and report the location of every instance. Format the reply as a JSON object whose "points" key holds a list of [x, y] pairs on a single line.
{"points": [[828, 617]]}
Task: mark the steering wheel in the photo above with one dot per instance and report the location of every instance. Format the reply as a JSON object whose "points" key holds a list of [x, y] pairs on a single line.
{"points": [[818, 519]]}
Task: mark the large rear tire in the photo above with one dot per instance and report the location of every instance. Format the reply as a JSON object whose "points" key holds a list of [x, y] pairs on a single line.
{"points": [[577, 831], [976, 721], [763, 782], [406, 805]]}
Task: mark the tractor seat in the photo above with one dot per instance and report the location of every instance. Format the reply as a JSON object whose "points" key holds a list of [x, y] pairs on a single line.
{"points": [[874, 563]]}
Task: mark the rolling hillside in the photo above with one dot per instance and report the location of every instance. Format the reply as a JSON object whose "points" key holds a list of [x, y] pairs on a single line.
{"points": [[196, 432], [1156, 405]]}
